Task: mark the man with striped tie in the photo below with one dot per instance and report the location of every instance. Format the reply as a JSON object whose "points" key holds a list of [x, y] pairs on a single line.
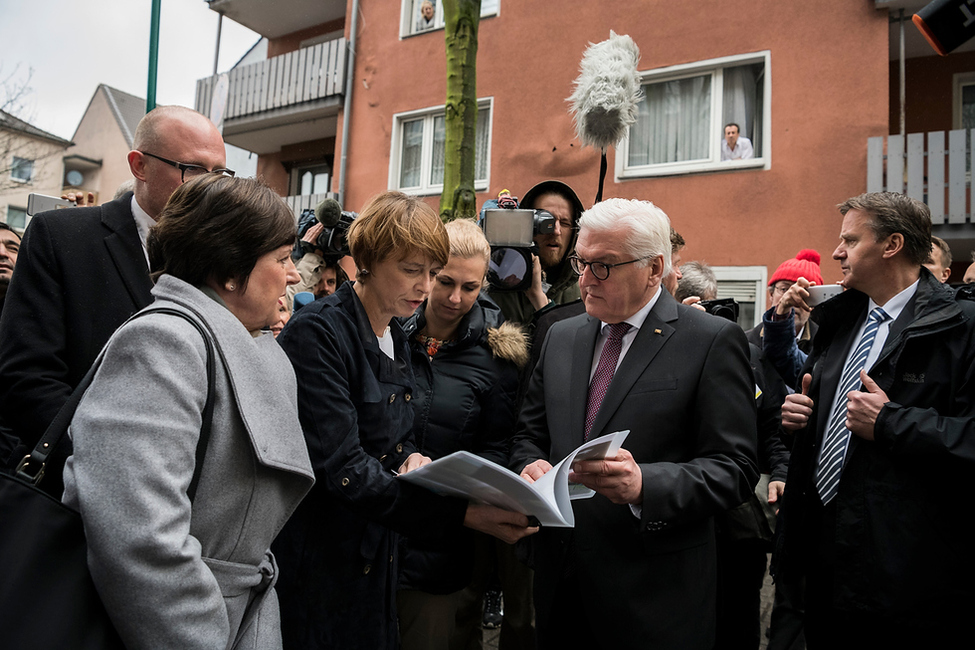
{"points": [[876, 510]]}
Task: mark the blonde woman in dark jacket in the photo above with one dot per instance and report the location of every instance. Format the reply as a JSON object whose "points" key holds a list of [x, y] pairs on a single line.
{"points": [[466, 361]]}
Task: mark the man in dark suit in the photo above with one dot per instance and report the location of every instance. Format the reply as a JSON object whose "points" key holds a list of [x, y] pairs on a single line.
{"points": [[875, 514], [638, 569], [81, 272]]}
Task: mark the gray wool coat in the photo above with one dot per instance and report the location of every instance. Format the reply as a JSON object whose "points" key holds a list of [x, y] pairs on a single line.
{"points": [[176, 574]]}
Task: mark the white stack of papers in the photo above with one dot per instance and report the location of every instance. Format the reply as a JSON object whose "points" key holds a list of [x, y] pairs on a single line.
{"points": [[463, 474]]}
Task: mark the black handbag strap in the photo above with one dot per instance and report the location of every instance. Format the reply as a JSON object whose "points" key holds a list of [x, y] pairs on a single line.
{"points": [[55, 433]]}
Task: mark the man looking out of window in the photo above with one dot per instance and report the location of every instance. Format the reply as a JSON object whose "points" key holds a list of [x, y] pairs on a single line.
{"points": [[735, 146]]}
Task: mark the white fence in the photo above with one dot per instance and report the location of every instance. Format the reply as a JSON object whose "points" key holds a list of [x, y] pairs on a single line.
{"points": [[304, 75], [934, 174]]}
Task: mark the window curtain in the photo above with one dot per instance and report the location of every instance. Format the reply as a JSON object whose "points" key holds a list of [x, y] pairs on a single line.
{"points": [[673, 122], [480, 147], [439, 144], [412, 157], [743, 102]]}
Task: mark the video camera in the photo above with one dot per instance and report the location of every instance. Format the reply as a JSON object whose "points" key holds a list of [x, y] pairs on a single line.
{"points": [[332, 240], [511, 232], [723, 307]]}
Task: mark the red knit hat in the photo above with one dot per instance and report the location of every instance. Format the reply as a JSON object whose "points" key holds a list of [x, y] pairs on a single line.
{"points": [[804, 265]]}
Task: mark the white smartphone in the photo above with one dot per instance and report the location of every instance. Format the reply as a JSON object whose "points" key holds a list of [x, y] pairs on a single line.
{"points": [[821, 293], [37, 203]]}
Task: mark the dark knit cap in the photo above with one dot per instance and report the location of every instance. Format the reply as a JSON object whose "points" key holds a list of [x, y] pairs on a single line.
{"points": [[554, 187], [804, 265]]}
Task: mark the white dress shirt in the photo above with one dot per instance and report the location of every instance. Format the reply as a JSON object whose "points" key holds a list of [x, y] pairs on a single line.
{"points": [[743, 149], [635, 321], [143, 222], [893, 309]]}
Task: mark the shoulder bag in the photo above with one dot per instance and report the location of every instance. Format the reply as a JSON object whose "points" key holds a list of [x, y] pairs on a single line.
{"points": [[47, 597]]}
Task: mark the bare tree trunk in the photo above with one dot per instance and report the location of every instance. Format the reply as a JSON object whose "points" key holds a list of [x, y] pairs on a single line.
{"points": [[461, 18]]}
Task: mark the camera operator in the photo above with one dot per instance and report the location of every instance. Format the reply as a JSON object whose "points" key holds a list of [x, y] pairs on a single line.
{"points": [[321, 274], [553, 281]]}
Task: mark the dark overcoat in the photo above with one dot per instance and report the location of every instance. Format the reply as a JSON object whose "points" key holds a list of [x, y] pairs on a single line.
{"points": [[80, 273], [685, 392], [338, 552], [901, 538]]}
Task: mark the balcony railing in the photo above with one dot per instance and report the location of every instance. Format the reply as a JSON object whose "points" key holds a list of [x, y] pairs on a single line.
{"points": [[304, 75], [921, 171]]}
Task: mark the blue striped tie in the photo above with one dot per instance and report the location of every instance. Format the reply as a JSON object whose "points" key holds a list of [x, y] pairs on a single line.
{"points": [[837, 435]]}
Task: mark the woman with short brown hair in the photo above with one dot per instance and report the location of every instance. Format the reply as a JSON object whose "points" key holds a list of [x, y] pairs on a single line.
{"points": [[355, 384], [179, 549]]}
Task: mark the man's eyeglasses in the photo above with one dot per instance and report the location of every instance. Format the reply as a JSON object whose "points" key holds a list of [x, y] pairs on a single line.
{"points": [[190, 171], [780, 289], [600, 270]]}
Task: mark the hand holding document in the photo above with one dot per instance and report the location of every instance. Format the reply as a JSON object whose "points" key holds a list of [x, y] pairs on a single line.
{"points": [[463, 474]]}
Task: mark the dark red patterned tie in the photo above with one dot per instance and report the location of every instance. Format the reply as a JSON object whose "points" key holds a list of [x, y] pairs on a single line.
{"points": [[604, 372]]}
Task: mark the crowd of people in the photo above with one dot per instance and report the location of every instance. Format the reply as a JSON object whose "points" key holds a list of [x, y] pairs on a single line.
{"points": [[241, 489]]}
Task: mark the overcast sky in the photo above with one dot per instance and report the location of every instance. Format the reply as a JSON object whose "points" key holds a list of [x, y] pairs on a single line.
{"points": [[74, 45]]}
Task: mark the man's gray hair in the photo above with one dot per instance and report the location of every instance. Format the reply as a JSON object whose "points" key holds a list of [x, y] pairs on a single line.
{"points": [[698, 280], [648, 227]]}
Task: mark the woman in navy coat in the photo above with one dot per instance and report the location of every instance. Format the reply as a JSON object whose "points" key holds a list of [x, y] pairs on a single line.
{"points": [[338, 553]]}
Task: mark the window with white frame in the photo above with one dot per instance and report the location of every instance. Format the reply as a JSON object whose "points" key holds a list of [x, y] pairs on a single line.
{"points": [[963, 106], [681, 118], [421, 16], [418, 150], [310, 179], [16, 218], [22, 169], [746, 284]]}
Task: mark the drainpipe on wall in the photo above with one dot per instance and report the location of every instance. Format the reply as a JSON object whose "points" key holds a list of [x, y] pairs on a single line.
{"points": [[216, 54], [347, 108], [903, 75], [153, 55]]}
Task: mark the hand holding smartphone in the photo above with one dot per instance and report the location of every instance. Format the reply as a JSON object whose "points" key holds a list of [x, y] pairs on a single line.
{"points": [[37, 203]]}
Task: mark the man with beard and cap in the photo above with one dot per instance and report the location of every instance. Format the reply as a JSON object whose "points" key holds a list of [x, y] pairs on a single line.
{"points": [[556, 284]]}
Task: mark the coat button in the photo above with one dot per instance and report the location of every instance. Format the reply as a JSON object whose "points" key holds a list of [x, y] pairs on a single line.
{"points": [[366, 569], [345, 481], [392, 398], [399, 448]]}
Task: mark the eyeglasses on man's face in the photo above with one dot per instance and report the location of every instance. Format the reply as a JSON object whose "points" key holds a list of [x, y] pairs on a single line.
{"points": [[779, 288], [188, 171], [599, 270]]}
